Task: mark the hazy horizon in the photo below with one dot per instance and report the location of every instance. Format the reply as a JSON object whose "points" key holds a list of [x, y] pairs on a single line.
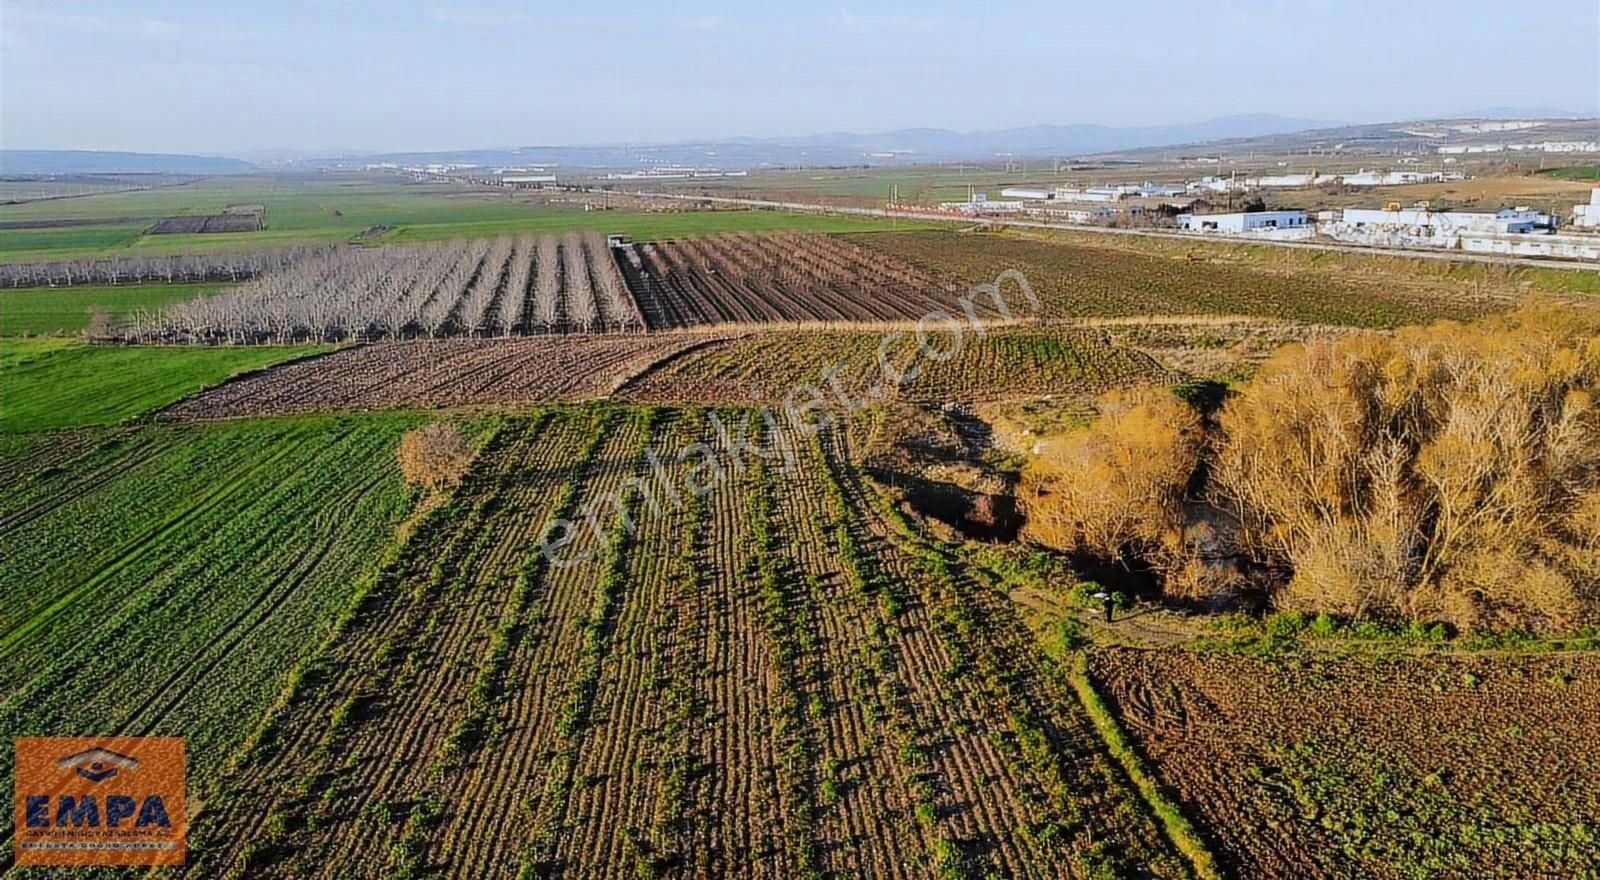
{"points": [[344, 75]]}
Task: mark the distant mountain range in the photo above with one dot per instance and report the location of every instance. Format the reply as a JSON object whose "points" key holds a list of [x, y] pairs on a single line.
{"points": [[904, 146], [36, 162], [910, 145], [1040, 140]]}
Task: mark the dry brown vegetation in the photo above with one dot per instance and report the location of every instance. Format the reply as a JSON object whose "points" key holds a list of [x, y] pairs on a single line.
{"points": [[434, 456], [1117, 486], [1448, 473]]}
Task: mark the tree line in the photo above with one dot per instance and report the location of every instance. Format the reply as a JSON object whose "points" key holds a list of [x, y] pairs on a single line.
{"points": [[221, 266]]}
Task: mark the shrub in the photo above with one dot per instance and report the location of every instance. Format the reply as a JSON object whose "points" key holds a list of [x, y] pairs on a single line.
{"points": [[434, 456]]}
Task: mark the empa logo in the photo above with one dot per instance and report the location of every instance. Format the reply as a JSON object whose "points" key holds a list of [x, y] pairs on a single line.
{"points": [[97, 764], [111, 801]]}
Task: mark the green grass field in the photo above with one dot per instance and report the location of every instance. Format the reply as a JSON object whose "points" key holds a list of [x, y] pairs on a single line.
{"points": [[58, 383], [311, 211], [921, 184], [165, 579], [43, 311], [1574, 172]]}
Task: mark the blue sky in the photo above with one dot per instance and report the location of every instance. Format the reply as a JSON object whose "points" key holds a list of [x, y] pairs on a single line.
{"points": [[216, 77]]}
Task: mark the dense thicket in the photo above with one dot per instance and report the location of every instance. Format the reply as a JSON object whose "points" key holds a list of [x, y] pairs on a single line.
{"points": [[1447, 473]]}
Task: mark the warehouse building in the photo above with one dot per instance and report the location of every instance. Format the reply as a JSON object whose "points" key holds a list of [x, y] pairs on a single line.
{"points": [[1588, 216], [1243, 223], [1423, 219]]}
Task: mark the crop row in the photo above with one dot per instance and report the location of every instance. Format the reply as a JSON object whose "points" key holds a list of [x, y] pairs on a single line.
{"points": [[434, 373], [1445, 766], [857, 367], [180, 624], [761, 681], [784, 277], [1075, 280]]}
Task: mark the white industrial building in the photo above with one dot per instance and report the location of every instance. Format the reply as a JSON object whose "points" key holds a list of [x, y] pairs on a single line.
{"points": [[1111, 193], [1151, 190], [1507, 231], [1251, 223], [1027, 192], [1588, 216], [981, 204], [1582, 247], [1423, 220], [1390, 178]]}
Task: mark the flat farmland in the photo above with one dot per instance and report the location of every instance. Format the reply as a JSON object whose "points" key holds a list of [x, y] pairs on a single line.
{"points": [[782, 277], [571, 283], [887, 363], [1086, 280], [329, 209], [40, 311], [442, 373], [52, 384], [776, 679], [1397, 767], [163, 580]]}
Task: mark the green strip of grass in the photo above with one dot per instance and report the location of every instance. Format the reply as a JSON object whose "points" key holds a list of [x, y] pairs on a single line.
{"points": [[649, 225], [44, 311], [49, 384], [1574, 172], [1178, 827]]}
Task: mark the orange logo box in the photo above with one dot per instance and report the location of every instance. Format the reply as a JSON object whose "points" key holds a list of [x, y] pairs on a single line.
{"points": [[99, 800]]}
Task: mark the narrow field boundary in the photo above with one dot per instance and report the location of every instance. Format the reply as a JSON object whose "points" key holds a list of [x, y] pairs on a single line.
{"points": [[1178, 828]]}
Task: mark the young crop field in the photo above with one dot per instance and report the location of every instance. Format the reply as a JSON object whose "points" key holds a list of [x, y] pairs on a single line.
{"points": [[43, 311], [328, 209], [778, 678], [163, 580], [441, 373], [56, 383], [858, 366], [1401, 766], [1082, 280]]}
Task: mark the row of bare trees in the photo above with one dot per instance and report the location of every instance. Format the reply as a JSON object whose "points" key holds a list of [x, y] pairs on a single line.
{"points": [[1448, 473], [478, 287], [220, 266]]}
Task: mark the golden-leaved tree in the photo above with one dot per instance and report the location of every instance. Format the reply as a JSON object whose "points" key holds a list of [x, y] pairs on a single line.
{"points": [[1116, 487], [1449, 472], [1445, 473]]}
